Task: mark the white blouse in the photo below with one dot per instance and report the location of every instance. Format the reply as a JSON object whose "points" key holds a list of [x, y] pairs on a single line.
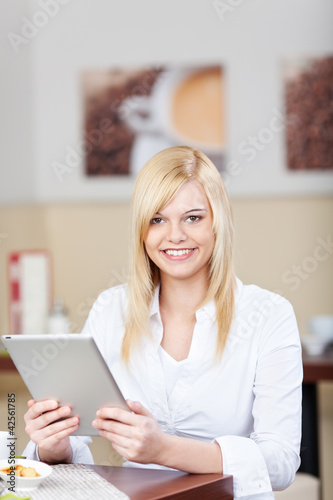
{"points": [[172, 370], [249, 403]]}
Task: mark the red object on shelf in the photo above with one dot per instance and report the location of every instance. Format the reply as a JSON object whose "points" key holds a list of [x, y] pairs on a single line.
{"points": [[14, 293], [30, 297]]}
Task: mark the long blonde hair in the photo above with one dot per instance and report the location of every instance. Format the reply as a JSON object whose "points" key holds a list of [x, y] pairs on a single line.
{"points": [[156, 185]]}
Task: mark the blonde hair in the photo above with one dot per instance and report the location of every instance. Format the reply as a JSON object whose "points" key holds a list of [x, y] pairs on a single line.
{"points": [[156, 185]]}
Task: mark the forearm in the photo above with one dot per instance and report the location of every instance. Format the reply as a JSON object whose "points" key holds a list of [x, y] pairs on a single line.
{"points": [[191, 455], [138, 438]]}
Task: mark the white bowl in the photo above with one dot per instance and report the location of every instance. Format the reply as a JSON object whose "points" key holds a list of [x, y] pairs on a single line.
{"points": [[25, 483], [322, 325], [314, 344]]}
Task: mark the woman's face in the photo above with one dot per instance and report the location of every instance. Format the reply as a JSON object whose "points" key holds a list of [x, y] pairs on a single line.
{"points": [[180, 238]]}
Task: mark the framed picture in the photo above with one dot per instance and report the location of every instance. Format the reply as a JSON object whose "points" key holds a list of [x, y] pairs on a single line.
{"points": [[309, 113], [129, 115]]}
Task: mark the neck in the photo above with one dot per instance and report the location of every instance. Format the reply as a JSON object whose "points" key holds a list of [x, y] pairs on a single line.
{"points": [[182, 297]]}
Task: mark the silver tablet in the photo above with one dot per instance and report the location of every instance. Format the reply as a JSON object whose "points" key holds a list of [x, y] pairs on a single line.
{"points": [[68, 368]]}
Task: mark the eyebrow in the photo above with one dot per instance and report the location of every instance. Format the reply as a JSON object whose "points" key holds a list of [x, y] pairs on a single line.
{"points": [[189, 211], [195, 210]]}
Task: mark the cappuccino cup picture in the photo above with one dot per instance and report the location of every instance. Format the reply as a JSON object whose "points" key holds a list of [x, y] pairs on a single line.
{"points": [[149, 110], [197, 106]]}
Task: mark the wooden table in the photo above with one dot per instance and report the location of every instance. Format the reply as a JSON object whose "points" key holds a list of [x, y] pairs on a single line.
{"points": [[6, 363], [154, 484], [316, 369]]}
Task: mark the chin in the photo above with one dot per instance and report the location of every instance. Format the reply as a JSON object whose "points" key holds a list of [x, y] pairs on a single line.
{"points": [[181, 275]]}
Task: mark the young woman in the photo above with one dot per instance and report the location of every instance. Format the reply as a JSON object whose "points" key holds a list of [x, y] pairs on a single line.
{"points": [[211, 367]]}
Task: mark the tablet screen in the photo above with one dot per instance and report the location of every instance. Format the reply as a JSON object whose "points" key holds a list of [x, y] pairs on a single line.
{"points": [[68, 368]]}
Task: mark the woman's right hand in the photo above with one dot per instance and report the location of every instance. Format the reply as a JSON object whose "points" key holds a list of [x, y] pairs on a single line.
{"points": [[51, 437]]}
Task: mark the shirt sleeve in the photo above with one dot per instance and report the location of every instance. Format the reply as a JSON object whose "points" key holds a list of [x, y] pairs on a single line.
{"points": [[81, 451], [269, 458]]}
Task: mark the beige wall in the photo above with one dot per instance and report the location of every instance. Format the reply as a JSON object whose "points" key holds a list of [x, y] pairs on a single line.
{"points": [[89, 245]]}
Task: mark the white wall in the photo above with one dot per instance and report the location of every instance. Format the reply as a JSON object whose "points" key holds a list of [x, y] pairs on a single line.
{"points": [[17, 178], [251, 40]]}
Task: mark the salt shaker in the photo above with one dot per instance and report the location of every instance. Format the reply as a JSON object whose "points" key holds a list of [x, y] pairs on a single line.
{"points": [[58, 321]]}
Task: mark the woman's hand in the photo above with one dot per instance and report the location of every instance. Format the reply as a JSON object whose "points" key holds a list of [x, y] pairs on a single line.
{"points": [[51, 437], [135, 436]]}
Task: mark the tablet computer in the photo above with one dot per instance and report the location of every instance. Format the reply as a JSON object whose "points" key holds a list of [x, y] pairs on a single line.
{"points": [[68, 368]]}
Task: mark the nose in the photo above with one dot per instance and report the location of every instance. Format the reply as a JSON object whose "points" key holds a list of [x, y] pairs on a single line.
{"points": [[175, 233]]}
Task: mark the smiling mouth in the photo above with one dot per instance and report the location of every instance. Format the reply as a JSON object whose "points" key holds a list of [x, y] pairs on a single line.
{"points": [[178, 253]]}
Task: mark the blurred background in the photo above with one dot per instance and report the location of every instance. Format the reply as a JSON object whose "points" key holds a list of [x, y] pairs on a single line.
{"points": [[51, 199]]}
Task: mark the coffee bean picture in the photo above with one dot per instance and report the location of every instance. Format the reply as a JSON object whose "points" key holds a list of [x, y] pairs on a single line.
{"points": [[309, 115]]}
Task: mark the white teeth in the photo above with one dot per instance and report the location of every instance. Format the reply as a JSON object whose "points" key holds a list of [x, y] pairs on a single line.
{"points": [[178, 252]]}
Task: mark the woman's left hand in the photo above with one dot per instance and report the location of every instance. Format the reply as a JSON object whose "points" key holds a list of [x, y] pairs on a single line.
{"points": [[135, 436]]}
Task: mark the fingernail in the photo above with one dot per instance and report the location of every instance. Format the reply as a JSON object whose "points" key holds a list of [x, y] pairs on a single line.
{"points": [[98, 413]]}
